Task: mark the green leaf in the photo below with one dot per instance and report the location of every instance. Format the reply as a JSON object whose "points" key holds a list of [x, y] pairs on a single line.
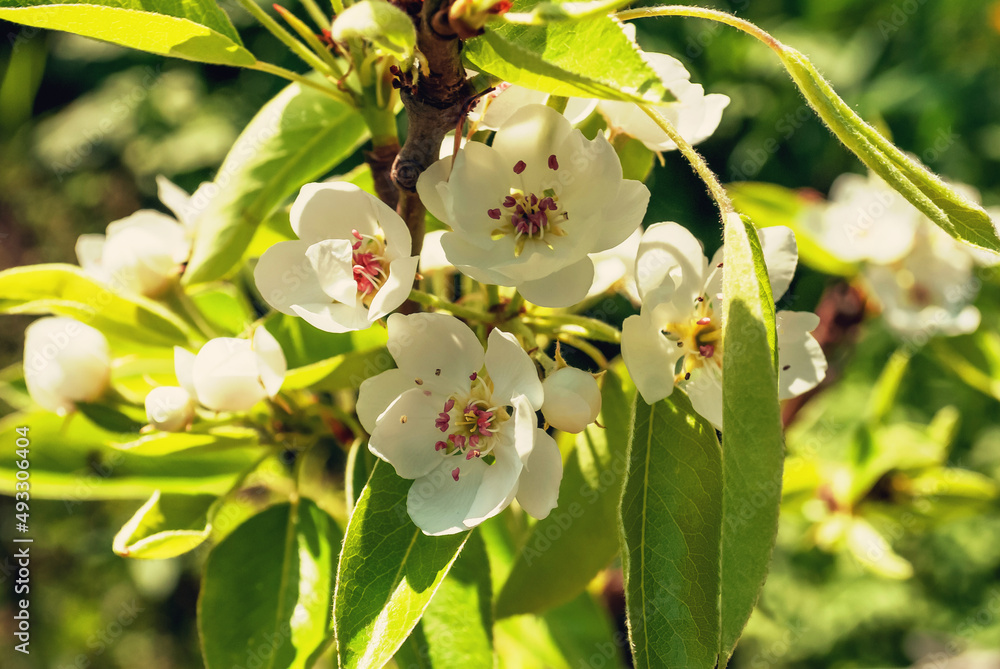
{"points": [[551, 12], [225, 307], [671, 521], [388, 572], [165, 526], [109, 418], [266, 592], [566, 550], [769, 204], [66, 290], [591, 58], [191, 29], [79, 465], [202, 438], [959, 217], [752, 447], [456, 630], [294, 139]]}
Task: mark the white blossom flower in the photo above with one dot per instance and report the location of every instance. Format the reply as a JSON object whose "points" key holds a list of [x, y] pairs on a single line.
{"points": [[496, 107], [866, 220], [169, 408], [694, 114], [145, 252], [65, 361], [432, 257], [930, 289], [460, 423], [677, 336], [615, 268], [231, 374], [350, 266], [572, 399], [526, 211]]}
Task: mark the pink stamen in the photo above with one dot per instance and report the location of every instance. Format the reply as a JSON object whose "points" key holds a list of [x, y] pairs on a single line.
{"points": [[494, 214], [519, 167], [440, 446], [553, 162], [707, 351], [454, 473], [442, 421], [509, 202], [472, 454], [472, 377], [704, 321], [357, 235], [449, 405]]}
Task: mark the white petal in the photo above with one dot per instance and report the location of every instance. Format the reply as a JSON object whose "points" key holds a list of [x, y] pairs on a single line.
{"points": [[427, 188], [498, 485], [649, 356], [432, 257], [801, 360], [511, 370], [615, 264], [271, 364], [505, 103], [378, 392], [144, 251], [476, 261], [89, 249], [332, 210], [668, 251], [285, 277], [538, 489], [65, 361], [438, 503], [564, 288], [572, 399], [405, 435], [705, 391], [396, 288], [623, 216], [532, 134], [435, 347], [781, 254], [479, 182], [332, 260], [589, 177], [175, 198], [333, 317], [225, 375], [184, 369], [169, 408]]}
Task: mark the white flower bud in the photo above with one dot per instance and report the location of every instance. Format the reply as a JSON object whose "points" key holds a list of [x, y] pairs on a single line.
{"points": [[572, 399], [65, 362], [169, 408], [234, 374]]}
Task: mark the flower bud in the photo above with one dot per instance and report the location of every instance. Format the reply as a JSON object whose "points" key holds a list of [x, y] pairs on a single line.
{"points": [[572, 399], [234, 374], [65, 362], [169, 408]]}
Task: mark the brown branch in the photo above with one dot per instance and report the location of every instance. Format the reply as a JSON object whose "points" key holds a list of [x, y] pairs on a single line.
{"points": [[380, 160]]}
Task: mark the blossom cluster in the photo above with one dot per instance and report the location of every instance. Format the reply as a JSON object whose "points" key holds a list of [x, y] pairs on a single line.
{"points": [[541, 211]]}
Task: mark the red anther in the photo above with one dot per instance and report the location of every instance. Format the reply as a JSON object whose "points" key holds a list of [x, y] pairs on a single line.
{"points": [[704, 321], [494, 214], [519, 167], [454, 473], [553, 162], [707, 351]]}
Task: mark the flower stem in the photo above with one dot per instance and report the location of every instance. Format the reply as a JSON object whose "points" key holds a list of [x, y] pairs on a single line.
{"points": [[277, 71], [698, 163], [297, 47], [586, 347], [579, 326], [492, 295], [513, 307], [702, 13], [436, 302]]}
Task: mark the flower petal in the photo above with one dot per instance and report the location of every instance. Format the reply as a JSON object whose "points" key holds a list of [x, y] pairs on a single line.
{"points": [[649, 356], [564, 288], [538, 488], [333, 317], [669, 252], [623, 216], [801, 360], [271, 364], [396, 288], [705, 392], [479, 182], [89, 249], [175, 198], [432, 257], [332, 261], [430, 194], [435, 347], [285, 277], [331, 211], [378, 392], [438, 503], [781, 255], [511, 370], [531, 134], [404, 434], [225, 375], [498, 485], [184, 369]]}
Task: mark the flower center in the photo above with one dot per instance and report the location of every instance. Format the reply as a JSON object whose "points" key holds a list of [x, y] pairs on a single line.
{"points": [[469, 423], [369, 265], [700, 338], [529, 216]]}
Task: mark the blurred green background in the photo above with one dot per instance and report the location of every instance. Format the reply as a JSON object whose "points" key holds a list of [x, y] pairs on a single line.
{"points": [[85, 128]]}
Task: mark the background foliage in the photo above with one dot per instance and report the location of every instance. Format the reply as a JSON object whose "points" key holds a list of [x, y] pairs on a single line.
{"points": [[85, 127]]}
